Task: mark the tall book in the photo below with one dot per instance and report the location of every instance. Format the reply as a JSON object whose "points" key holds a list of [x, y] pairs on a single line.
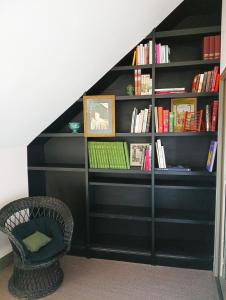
{"points": [[165, 120], [208, 117], [160, 119], [217, 46], [211, 156], [214, 115], [212, 47], [206, 47], [156, 120]]}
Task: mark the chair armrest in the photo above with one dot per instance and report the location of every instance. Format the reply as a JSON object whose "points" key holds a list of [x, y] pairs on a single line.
{"points": [[17, 246]]}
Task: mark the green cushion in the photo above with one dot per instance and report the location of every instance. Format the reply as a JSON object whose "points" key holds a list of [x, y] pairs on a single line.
{"points": [[36, 241], [47, 226]]}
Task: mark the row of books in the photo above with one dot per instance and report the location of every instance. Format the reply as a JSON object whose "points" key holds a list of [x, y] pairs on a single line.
{"points": [[207, 81], [105, 155], [162, 54], [211, 47], [145, 161], [143, 54], [141, 122], [142, 83], [166, 121]]}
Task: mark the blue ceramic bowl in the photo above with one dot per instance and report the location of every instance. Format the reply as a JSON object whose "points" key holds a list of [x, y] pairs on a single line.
{"points": [[74, 126]]}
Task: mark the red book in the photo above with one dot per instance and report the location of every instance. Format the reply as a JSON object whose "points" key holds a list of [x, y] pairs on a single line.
{"points": [[217, 83], [200, 120], [160, 118], [214, 115], [194, 83], [197, 83], [165, 120], [217, 46], [212, 47], [206, 47], [215, 72]]}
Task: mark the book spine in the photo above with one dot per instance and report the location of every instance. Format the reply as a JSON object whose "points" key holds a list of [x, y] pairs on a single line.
{"points": [[214, 115], [211, 156], [206, 47], [126, 153], [156, 120], [138, 82], [215, 72], [160, 119], [150, 52], [216, 88], [217, 45], [212, 47], [171, 122], [158, 155], [165, 120], [200, 83], [135, 82], [134, 57], [208, 112], [148, 127]]}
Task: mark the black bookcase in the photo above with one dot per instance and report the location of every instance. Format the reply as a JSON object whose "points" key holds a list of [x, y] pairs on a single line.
{"points": [[158, 217]]}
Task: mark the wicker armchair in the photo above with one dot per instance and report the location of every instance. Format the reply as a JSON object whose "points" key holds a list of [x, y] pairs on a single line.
{"points": [[35, 279]]}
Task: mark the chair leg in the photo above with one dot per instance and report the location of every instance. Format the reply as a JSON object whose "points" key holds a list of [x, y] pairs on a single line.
{"points": [[35, 283]]}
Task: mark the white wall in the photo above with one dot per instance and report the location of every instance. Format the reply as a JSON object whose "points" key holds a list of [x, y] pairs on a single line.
{"points": [[223, 36], [52, 51], [13, 182]]}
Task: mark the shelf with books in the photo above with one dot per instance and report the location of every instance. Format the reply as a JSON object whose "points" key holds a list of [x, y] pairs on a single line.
{"points": [[121, 212], [186, 134], [182, 216]]}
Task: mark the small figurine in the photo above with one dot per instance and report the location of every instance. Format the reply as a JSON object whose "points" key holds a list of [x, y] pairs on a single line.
{"points": [[129, 90]]}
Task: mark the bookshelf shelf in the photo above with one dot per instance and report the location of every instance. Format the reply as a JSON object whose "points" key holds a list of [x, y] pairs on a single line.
{"points": [[187, 95], [187, 134], [121, 212], [163, 217], [57, 167]]}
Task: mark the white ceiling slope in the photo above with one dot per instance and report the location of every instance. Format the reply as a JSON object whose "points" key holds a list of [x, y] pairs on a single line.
{"points": [[51, 51]]}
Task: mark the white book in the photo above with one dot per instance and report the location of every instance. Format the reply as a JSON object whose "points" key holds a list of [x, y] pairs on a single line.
{"points": [[156, 120], [163, 156], [200, 82], [132, 121], [145, 120], [158, 154], [136, 123], [141, 120], [167, 53], [150, 52], [161, 160], [170, 89], [162, 54]]}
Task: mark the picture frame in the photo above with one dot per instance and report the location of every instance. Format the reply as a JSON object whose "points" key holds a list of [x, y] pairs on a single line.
{"points": [[136, 153], [99, 116], [180, 106]]}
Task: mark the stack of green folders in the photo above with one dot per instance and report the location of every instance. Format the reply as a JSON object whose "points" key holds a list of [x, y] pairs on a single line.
{"points": [[108, 155]]}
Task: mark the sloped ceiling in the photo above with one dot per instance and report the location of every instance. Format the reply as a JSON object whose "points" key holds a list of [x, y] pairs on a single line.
{"points": [[52, 51]]}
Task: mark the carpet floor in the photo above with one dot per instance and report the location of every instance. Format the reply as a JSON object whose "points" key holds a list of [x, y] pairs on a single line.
{"points": [[97, 279]]}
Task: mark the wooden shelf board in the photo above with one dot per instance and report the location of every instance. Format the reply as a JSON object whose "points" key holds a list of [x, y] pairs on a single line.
{"points": [[63, 135], [189, 31], [182, 216], [184, 134], [57, 167], [121, 212]]}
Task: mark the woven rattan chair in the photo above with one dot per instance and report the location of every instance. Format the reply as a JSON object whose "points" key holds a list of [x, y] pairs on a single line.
{"points": [[31, 280]]}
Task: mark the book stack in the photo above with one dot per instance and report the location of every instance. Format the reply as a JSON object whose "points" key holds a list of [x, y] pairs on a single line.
{"points": [[162, 53], [146, 159], [211, 156], [142, 83], [143, 54], [207, 81], [211, 116], [160, 154], [211, 47], [166, 91], [141, 122], [105, 155]]}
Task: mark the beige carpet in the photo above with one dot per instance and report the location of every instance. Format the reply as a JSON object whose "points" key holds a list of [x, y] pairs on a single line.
{"points": [[95, 279]]}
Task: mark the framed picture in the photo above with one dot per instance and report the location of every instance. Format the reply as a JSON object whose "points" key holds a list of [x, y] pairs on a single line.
{"points": [[136, 154], [99, 115], [179, 107]]}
